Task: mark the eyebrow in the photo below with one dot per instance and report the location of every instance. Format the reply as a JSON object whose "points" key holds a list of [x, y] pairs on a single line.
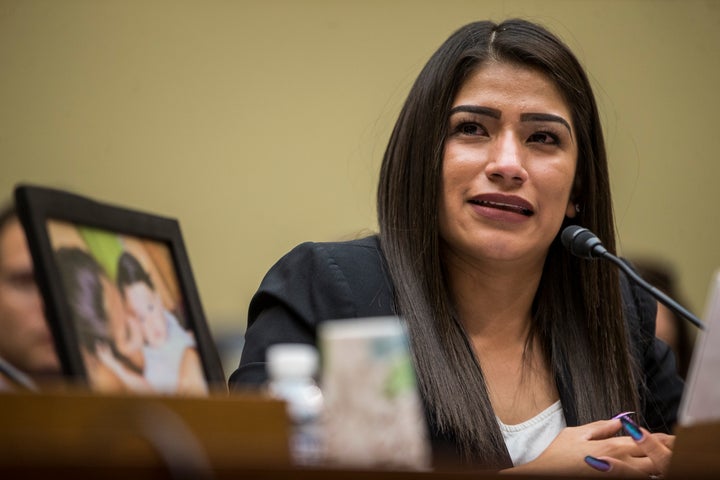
{"points": [[525, 117], [490, 112], [545, 117]]}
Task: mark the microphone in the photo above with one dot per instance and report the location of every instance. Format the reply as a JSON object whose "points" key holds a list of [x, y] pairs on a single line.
{"points": [[585, 244]]}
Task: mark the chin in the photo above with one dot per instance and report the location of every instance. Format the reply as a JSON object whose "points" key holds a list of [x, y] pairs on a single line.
{"points": [[509, 253], [500, 249]]}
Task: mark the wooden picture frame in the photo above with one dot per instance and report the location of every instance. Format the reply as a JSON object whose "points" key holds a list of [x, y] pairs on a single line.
{"points": [[146, 331]]}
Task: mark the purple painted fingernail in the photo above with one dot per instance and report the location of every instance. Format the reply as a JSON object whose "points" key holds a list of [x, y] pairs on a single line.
{"points": [[623, 414], [597, 464], [631, 428]]}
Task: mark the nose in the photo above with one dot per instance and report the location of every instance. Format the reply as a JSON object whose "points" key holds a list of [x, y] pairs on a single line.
{"points": [[506, 162]]}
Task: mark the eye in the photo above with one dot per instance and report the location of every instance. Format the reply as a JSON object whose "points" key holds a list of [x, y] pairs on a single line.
{"points": [[24, 281], [545, 138], [470, 128]]}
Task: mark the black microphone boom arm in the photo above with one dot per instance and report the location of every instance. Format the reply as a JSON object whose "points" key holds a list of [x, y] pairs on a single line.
{"points": [[655, 292], [584, 244]]}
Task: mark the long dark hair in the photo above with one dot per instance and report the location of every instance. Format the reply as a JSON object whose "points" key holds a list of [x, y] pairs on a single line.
{"points": [[81, 278], [131, 271], [577, 311]]}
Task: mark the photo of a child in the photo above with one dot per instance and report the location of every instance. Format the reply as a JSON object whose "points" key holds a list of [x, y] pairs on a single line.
{"points": [[168, 349]]}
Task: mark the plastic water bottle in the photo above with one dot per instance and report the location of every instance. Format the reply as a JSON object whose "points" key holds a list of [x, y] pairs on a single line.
{"points": [[292, 369]]}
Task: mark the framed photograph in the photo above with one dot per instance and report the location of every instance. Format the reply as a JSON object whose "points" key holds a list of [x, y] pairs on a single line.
{"points": [[120, 297]]}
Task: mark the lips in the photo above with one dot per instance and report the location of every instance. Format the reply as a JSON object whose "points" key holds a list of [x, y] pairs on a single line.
{"points": [[508, 203]]}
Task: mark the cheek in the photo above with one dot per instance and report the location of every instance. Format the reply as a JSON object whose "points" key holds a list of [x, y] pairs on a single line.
{"points": [[448, 193], [133, 312], [556, 184], [458, 174], [147, 331], [16, 302], [6, 303], [12, 318]]}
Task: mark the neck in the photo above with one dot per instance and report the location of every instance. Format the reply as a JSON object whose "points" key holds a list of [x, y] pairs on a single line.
{"points": [[493, 302]]}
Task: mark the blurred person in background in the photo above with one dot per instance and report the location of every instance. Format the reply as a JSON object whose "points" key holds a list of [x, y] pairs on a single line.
{"points": [[670, 327], [27, 353]]}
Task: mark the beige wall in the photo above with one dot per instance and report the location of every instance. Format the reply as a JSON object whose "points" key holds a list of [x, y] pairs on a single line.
{"points": [[260, 124]]}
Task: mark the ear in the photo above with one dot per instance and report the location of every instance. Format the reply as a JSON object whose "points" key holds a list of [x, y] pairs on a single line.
{"points": [[572, 209]]}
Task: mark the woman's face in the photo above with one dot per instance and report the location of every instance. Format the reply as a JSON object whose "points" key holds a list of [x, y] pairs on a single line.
{"points": [[508, 166]]}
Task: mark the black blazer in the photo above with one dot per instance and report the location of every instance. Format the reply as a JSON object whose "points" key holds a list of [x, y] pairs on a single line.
{"points": [[342, 280]]}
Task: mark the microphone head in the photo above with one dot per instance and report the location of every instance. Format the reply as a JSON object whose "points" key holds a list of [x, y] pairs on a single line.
{"points": [[582, 242]]}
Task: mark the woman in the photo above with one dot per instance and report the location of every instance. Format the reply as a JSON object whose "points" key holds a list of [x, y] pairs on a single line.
{"points": [[497, 148], [95, 306]]}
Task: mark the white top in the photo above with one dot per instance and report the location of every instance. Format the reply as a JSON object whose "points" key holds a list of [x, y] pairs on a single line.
{"points": [[162, 363], [526, 441]]}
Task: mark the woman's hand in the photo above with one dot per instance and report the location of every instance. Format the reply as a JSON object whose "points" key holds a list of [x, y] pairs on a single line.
{"points": [[605, 452], [656, 449], [566, 454], [131, 379]]}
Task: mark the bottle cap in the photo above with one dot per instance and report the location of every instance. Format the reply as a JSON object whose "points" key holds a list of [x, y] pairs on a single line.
{"points": [[292, 360]]}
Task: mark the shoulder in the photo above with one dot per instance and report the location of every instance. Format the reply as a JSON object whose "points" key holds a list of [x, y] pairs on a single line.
{"points": [[332, 261], [312, 283], [328, 278], [347, 253]]}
